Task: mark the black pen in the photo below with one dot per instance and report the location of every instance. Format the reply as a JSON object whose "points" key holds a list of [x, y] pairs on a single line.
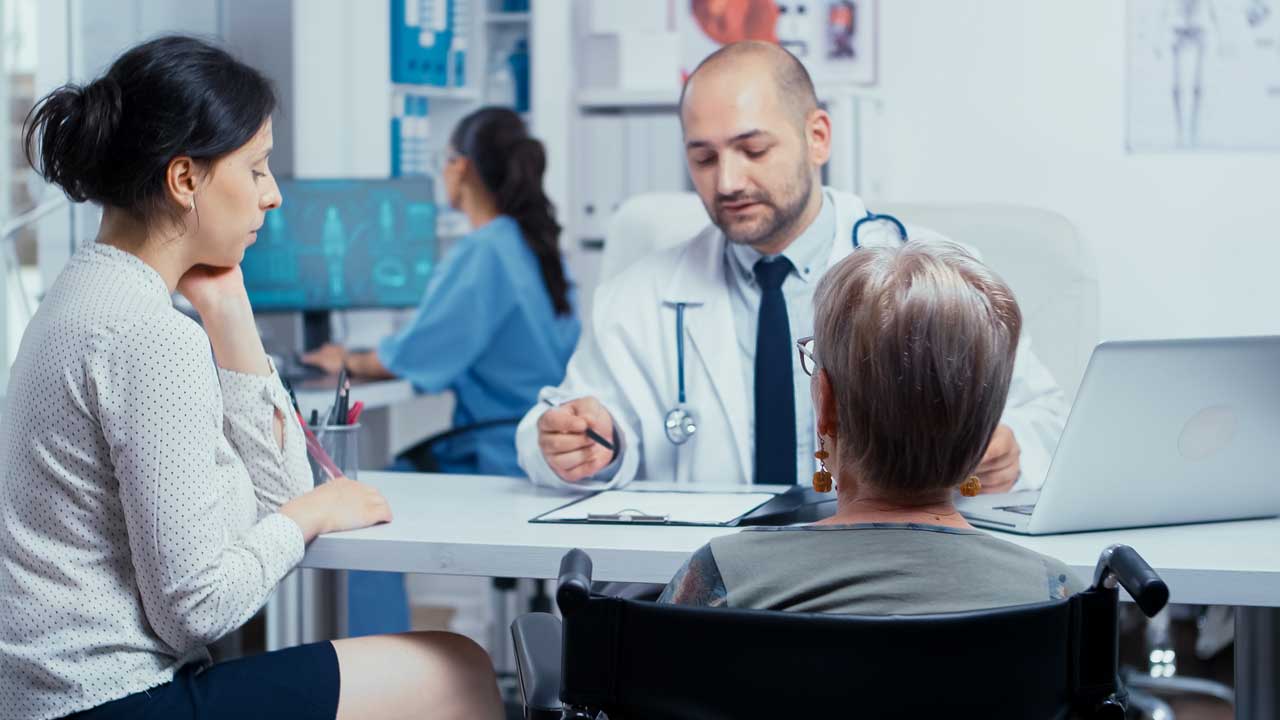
{"points": [[590, 433], [337, 399], [344, 408]]}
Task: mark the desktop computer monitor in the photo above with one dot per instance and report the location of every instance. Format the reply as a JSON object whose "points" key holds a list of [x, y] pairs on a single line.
{"points": [[344, 244]]}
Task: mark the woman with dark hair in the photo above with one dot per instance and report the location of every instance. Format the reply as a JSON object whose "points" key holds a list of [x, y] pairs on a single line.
{"points": [[497, 322], [154, 485]]}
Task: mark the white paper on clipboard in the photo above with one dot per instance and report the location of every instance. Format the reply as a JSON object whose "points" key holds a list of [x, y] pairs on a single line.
{"points": [[649, 506]]}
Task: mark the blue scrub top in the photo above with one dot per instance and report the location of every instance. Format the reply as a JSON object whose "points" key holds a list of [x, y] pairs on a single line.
{"points": [[486, 330]]}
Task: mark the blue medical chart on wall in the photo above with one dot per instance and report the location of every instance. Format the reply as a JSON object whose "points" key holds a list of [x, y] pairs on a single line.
{"points": [[341, 244]]}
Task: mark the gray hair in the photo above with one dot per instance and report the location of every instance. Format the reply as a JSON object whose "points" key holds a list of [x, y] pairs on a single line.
{"points": [[918, 343]]}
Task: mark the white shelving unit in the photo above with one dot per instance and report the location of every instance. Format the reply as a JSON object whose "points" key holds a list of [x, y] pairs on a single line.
{"points": [[460, 94], [590, 99]]}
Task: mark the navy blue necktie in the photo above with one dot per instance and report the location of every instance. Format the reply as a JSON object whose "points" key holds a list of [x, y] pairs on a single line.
{"points": [[775, 386]]}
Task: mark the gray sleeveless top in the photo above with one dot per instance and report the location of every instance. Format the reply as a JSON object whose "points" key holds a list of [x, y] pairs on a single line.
{"points": [[868, 569]]}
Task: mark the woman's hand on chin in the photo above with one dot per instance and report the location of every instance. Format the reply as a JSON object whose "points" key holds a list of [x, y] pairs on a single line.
{"points": [[213, 290], [219, 296]]}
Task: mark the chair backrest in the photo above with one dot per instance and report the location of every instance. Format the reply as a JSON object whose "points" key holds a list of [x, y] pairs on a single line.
{"points": [[1047, 263], [636, 659], [1038, 252], [648, 222]]}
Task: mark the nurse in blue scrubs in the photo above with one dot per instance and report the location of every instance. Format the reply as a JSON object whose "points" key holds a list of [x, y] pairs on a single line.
{"points": [[497, 322]]}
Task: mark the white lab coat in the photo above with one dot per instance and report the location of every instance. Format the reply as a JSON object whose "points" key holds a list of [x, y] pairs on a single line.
{"points": [[628, 362]]}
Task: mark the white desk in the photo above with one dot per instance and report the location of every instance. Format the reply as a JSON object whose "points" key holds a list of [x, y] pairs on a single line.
{"points": [[462, 525], [456, 525]]}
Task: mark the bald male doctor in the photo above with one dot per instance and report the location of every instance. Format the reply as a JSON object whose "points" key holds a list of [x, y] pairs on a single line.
{"points": [[742, 289]]}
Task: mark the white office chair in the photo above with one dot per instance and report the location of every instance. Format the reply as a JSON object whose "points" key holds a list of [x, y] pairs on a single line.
{"points": [[1038, 252], [1046, 262]]}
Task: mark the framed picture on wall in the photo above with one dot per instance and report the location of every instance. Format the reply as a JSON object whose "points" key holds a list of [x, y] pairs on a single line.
{"points": [[1202, 75], [837, 40]]}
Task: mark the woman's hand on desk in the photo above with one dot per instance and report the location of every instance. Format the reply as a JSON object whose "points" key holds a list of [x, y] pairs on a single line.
{"points": [[562, 437], [340, 504]]}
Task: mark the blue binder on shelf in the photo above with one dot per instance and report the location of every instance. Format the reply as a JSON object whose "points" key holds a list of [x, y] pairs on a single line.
{"points": [[414, 61]]}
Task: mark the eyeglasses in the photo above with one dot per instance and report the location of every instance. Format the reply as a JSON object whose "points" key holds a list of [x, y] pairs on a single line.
{"points": [[808, 361]]}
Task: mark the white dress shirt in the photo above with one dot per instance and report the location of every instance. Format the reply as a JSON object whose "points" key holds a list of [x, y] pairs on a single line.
{"points": [[139, 489]]}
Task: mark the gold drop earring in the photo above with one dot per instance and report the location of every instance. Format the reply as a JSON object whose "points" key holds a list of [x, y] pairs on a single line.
{"points": [[971, 486], [822, 478]]}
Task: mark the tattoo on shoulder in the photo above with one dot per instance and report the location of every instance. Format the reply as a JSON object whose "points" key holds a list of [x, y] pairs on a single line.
{"points": [[698, 582]]}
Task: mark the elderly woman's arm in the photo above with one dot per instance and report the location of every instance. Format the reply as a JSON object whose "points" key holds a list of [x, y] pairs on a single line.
{"points": [[697, 583]]}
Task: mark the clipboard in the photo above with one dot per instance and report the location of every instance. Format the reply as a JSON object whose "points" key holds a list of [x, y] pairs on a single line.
{"points": [[673, 508]]}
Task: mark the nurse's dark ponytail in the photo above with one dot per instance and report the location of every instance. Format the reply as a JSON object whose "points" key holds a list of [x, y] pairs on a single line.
{"points": [[511, 163]]}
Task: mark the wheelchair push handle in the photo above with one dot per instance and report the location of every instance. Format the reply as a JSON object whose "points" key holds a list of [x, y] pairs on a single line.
{"points": [[1122, 564], [573, 589]]}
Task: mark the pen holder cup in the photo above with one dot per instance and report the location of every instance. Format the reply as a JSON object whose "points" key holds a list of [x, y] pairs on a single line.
{"points": [[342, 444]]}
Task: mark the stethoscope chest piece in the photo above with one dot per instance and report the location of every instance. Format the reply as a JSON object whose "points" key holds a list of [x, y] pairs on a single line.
{"points": [[680, 425]]}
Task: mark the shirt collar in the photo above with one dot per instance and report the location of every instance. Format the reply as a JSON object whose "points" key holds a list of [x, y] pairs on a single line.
{"points": [[807, 253], [149, 279]]}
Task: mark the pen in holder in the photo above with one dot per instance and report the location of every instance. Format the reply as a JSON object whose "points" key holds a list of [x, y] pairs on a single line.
{"points": [[339, 445]]}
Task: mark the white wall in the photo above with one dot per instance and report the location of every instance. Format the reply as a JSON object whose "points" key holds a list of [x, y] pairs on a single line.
{"points": [[1023, 101], [341, 89]]}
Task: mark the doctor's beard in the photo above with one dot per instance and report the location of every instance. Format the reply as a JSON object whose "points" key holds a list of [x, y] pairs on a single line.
{"points": [[782, 211]]}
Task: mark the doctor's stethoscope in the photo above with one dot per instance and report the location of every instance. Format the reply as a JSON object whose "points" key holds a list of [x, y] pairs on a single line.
{"points": [[680, 424]]}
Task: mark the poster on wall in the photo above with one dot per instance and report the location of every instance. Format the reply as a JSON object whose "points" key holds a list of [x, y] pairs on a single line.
{"points": [[835, 39], [1203, 75]]}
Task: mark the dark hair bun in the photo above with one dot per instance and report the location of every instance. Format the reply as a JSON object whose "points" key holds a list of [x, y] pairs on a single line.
{"points": [[103, 104], [111, 141], [77, 125]]}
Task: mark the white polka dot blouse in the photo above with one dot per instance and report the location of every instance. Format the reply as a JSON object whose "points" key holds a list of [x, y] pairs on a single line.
{"points": [[139, 489]]}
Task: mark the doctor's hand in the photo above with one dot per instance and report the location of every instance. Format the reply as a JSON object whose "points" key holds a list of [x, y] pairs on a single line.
{"points": [[1000, 465], [562, 437]]}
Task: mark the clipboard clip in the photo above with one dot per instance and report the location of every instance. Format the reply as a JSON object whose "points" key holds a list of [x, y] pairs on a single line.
{"points": [[628, 515]]}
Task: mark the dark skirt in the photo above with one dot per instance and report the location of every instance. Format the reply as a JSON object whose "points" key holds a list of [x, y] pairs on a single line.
{"points": [[298, 683]]}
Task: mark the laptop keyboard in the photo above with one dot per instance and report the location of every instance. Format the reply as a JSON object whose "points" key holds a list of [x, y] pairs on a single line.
{"points": [[1020, 509]]}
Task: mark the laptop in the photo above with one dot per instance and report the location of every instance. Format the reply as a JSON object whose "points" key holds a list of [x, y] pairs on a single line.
{"points": [[1162, 432]]}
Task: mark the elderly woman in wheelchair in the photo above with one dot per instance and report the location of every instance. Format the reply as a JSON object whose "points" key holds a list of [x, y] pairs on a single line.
{"points": [[911, 361], [897, 607]]}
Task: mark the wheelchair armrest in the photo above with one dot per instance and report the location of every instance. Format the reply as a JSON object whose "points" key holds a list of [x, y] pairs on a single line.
{"points": [[537, 641], [574, 587], [1123, 564]]}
